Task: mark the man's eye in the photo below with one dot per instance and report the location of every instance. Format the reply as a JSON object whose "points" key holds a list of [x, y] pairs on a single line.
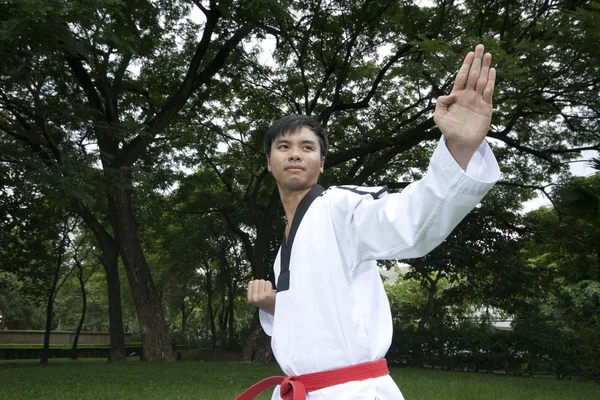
{"points": [[282, 146], [308, 147]]}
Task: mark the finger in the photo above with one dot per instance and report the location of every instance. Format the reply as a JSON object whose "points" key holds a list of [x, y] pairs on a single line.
{"points": [[260, 288], [268, 287], [475, 68], [483, 76], [488, 92], [446, 100], [463, 73], [250, 290], [443, 102]]}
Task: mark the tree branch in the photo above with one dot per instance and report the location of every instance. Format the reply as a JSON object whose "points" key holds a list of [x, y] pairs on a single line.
{"points": [[201, 7], [119, 74], [86, 84], [545, 154], [104, 238], [179, 98], [364, 103], [404, 141], [132, 151], [245, 237], [227, 184]]}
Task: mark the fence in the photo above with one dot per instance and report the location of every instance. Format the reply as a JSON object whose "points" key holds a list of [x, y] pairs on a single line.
{"points": [[57, 337]]}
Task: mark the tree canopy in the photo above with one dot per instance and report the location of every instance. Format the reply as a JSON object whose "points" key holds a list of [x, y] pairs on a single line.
{"points": [[146, 118]]}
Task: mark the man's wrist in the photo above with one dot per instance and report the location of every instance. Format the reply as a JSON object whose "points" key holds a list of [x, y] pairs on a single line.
{"points": [[461, 152], [270, 309], [267, 306]]}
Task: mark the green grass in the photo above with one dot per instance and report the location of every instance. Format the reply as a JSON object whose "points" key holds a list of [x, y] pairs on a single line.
{"points": [[95, 379]]}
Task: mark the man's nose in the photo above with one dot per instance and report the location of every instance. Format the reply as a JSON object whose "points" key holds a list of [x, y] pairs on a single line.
{"points": [[294, 155]]}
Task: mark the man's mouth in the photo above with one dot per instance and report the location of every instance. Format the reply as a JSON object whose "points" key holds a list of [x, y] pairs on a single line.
{"points": [[294, 168]]}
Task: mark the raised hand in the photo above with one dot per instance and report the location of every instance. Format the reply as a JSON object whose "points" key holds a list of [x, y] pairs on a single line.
{"points": [[262, 295], [464, 116]]}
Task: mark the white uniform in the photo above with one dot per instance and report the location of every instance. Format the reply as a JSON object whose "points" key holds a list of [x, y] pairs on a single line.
{"points": [[331, 309]]}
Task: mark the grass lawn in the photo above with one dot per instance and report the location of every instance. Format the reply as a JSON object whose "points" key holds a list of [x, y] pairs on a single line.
{"points": [[95, 379]]}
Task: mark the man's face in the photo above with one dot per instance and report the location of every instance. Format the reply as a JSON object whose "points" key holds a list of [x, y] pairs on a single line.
{"points": [[295, 160]]}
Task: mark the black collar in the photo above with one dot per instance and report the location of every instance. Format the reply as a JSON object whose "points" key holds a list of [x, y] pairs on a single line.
{"points": [[283, 283]]}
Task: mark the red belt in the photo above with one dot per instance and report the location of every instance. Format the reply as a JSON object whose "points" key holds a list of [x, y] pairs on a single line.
{"points": [[296, 387]]}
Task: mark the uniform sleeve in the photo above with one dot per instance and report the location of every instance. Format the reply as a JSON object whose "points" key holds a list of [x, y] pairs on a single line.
{"points": [[412, 223], [266, 321]]}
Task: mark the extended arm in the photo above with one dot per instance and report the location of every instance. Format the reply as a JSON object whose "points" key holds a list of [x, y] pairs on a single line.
{"points": [[412, 223], [461, 171]]}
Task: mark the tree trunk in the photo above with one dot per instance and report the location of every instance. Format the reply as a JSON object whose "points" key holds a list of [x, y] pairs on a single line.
{"points": [[259, 269], [257, 347], [428, 310], [83, 309], [49, 309], [231, 306], [211, 315], [223, 314], [60, 251], [118, 353], [184, 316], [110, 262], [155, 337]]}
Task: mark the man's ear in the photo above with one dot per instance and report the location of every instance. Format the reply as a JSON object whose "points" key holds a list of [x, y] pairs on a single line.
{"points": [[268, 163], [322, 164]]}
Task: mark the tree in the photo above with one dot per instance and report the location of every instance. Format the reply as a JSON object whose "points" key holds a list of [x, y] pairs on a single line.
{"points": [[57, 279], [568, 236], [29, 253], [20, 309], [71, 84], [370, 71], [79, 259], [204, 264], [564, 242]]}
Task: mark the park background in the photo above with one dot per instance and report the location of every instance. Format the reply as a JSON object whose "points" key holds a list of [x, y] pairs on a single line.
{"points": [[135, 199]]}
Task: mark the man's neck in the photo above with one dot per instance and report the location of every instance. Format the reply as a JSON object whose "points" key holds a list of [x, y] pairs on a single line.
{"points": [[290, 200]]}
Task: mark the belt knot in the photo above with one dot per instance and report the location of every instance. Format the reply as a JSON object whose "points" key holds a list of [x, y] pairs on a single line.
{"points": [[291, 389]]}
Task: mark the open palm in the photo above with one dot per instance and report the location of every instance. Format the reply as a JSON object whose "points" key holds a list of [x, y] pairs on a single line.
{"points": [[465, 115]]}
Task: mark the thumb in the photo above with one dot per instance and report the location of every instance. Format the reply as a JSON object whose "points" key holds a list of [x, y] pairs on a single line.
{"points": [[446, 101]]}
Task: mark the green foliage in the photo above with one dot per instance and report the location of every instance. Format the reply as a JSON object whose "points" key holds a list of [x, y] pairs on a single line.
{"points": [[556, 326], [565, 241], [540, 343], [20, 308], [30, 232], [544, 275]]}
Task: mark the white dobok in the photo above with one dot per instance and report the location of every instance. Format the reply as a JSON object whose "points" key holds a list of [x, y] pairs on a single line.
{"points": [[331, 309]]}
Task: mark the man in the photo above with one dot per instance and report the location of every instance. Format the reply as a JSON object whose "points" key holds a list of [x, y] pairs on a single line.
{"points": [[329, 316]]}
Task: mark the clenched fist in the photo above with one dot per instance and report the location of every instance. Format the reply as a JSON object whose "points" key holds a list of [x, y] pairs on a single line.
{"points": [[262, 295]]}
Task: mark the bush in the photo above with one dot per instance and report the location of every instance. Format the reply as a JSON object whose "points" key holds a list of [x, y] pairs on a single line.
{"points": [[533, 347]]}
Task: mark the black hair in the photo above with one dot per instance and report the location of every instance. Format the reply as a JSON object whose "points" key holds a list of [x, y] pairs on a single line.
{"points": [[293, 123]]}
